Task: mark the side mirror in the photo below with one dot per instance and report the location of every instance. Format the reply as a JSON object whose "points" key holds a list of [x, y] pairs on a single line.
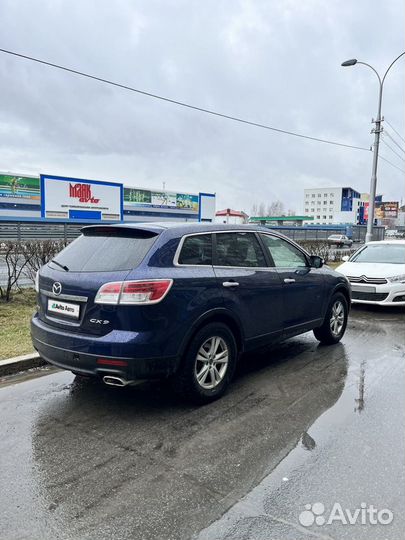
{"points": [[345, 258], [315, 261]]}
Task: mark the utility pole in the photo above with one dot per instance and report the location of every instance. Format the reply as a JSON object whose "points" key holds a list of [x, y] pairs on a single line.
{"points": [[373, 182], [377, 130]]}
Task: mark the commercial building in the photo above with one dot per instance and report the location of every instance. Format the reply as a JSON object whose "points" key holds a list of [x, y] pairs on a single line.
{"points": [[292, 221], [52, 197], [329, 206], [233, 217]]}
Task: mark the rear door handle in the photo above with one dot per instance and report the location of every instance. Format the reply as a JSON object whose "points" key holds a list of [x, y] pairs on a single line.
{"points": [[289, 280], [230, 284]]}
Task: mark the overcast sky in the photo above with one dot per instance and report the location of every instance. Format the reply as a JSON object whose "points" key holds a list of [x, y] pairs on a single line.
{"points": [[275, 62]]}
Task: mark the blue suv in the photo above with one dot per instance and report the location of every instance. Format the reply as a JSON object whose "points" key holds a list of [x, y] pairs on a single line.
{"points": [[139, 301]]}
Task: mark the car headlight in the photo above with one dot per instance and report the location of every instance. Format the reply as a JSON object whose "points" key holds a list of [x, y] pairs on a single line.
{"points": [[397, 279]]}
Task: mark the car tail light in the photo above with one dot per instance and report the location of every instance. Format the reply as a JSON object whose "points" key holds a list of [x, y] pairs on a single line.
{"points": [[144, 292], [109, 293], [133, 292]]}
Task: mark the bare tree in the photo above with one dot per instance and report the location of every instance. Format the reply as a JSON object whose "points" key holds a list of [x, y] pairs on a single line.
{"points": [[39, 252], [261, 209], [276, 208], [25, 259], [15, 261]]}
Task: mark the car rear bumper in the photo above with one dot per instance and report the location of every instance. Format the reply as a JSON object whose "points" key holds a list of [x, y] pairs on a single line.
{"points": [[118, 353]]}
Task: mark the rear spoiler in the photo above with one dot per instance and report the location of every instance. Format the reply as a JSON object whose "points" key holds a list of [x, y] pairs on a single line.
{"points": [[122, 231]]}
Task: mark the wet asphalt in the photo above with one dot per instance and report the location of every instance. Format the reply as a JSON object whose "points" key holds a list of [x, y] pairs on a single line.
{"points": [[301, 424]]}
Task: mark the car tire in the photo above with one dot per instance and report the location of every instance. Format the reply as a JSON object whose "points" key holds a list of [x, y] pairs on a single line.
{"points": [[335, 322], [208, 364]]}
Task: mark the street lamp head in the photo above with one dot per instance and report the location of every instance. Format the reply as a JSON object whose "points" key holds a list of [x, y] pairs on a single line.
{"points": [[351, 62]]}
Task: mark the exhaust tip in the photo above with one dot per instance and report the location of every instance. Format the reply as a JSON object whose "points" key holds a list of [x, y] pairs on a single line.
{"points": [[112, 380]]}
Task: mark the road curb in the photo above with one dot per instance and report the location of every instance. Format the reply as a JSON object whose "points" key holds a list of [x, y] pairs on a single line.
{"points": [[20, 363]]}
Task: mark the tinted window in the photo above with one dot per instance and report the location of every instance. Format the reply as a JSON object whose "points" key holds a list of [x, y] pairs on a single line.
{"points": [[284, 254], [100, 253], [239, 249], [196, 250]]}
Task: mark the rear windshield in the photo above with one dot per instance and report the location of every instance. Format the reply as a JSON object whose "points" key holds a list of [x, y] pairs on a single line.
{"points": [[97, 251]]}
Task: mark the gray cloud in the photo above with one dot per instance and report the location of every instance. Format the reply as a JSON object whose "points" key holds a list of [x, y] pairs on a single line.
{"points": [[275, 62]]}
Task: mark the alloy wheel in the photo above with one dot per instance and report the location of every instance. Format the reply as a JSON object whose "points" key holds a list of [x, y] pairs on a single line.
{"points": [[337, 319], [211, 362]]}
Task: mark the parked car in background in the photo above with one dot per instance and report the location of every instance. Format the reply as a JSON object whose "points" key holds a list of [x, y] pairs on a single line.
{"points": [[377, 273], [393, 233], [139, 301], [339, 240]]}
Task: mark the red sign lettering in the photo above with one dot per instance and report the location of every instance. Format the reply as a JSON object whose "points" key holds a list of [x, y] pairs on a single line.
{"points": [[83, 193]]}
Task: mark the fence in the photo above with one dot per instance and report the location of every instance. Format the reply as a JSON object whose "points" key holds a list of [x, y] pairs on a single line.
{"points": [[37, 230], [23, 230], [356, 232]]}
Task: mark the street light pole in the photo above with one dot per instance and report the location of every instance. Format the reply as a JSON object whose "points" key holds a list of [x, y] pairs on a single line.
{"points": [[373, 181], [377, 130]]}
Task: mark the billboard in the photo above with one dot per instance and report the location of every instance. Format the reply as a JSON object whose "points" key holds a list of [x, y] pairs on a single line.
{"points": [[207, 207], [78, 199], [19, 187], [384, 210], [160, 199]]}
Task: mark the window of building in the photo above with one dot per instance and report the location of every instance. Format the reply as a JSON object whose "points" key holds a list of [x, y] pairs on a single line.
{"points": [[313, 195], [319, 194]]}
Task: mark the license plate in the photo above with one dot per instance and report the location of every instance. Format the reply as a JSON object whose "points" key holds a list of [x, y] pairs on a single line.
{"points": [[363, 288], [64, 308]]}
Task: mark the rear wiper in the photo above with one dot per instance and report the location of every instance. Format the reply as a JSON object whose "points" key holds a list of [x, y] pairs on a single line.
{"points": [[63, 266]]}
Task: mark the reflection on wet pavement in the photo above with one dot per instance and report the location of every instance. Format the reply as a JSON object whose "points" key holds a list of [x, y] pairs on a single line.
{"points": [[354, 459], [81, 460]]}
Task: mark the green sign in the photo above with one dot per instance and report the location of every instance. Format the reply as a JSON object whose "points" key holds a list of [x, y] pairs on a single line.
{"points": [[160, 199], [21, 187], [137, 196]]}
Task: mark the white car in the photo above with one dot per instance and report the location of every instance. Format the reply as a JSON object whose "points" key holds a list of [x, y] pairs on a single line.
{"points": [[339, 240], [377, 273]]}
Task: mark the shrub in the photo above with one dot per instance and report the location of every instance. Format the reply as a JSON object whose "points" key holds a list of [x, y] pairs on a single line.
{"points": [[322, 249], [25, 259], [15, 260], [38, 253]]}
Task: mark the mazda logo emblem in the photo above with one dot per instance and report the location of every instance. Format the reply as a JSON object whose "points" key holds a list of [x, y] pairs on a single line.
{"points": [[56, 288]]}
